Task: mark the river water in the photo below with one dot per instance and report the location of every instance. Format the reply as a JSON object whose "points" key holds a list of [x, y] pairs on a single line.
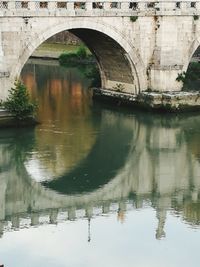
{"points": [[94, 185]]}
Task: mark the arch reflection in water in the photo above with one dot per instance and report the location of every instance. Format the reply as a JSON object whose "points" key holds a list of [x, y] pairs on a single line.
{"points": [[64, 110], [150, 161]]}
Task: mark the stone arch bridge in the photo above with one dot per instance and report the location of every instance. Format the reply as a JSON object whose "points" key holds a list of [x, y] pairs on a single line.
{"points": [[140, 44]]}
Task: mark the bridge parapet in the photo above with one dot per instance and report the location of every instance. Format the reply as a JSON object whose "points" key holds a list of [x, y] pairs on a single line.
{"points": [[98, 8], [55, 216]]}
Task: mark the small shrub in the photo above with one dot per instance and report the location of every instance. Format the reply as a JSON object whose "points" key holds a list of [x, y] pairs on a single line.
{"points": [[67, 58], [181, 77], [133, 18], [18, 102], [196, 17], [119, 87], [71, 59]]}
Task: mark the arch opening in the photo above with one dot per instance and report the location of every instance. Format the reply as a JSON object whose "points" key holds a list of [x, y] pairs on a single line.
{"points": [[115, 67], [113, 61], [119, 62], [191, 71]]}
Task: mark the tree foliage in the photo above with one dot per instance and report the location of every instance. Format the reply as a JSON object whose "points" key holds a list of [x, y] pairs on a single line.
{"points": [[81, 56], [18, 102], [82, 53], [93, 74]]}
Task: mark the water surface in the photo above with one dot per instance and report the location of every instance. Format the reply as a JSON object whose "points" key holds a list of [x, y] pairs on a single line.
{"points": [[94, 185]]}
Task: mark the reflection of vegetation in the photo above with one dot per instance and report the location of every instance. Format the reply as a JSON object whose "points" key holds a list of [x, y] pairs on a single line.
{"points": [[191, 78], [19, 103], [16, 144]]}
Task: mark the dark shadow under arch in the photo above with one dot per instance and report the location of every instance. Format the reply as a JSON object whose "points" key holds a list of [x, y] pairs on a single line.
{"points": [[111, 57], [191, 76], [118, 60]]}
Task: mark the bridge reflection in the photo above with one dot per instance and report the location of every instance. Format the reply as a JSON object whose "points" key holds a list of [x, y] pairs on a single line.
{"points": [[155, 162]]}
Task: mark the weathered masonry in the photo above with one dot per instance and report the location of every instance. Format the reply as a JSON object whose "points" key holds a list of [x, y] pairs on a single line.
{"points": [[138, 45]]}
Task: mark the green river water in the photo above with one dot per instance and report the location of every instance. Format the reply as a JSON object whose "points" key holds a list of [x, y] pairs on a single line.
{"points": [[95, 185]]}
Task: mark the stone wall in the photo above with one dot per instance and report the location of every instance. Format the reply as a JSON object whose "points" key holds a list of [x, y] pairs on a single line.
{"points": [[64, 37], [176, 101], [168, 101]]}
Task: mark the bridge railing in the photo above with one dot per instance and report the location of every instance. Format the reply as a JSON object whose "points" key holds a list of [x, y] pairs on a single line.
{"points": [[98, 7], [54, 216]]}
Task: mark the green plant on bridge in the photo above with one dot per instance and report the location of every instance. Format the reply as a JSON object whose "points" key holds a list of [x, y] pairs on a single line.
{"points": [[18, 102], [119, 87], [133, 18], [196, 17], [181, 77]]}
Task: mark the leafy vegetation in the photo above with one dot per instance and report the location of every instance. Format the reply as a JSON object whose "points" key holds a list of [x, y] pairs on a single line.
{"points": [[119, 87], [68, 59], [18, 102], [133, 18], [181, 77], [93, 74], [82, 53], [72, 58]]}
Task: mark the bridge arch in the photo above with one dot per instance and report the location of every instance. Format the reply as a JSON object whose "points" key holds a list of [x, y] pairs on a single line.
{"points": [[191, 66], [121, 62], [193, 47]]}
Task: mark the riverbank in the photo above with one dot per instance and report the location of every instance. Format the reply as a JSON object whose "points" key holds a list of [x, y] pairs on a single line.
{"points": [[153, 101], [53, 51], [7, 120], [5, 117]]}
